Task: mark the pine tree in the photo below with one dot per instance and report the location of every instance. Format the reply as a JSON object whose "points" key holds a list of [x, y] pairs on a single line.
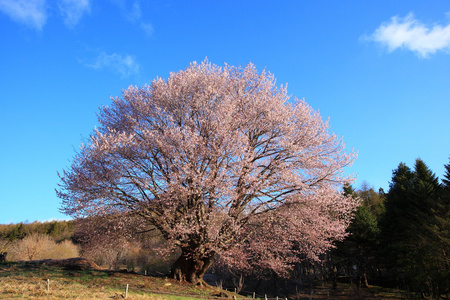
{"points": [[410, 247], [394, 223], [17, 233], [440, 231], [446, 180], [423, 247]]}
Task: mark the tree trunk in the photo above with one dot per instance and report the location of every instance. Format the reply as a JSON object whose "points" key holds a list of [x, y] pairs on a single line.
{"points": [[366, 282], [191, 266]]}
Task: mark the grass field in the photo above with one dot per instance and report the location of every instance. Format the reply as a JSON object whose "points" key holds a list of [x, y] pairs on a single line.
{"points": [[25, 281], [21, 281]]}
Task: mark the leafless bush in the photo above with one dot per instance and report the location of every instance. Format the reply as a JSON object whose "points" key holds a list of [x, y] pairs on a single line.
{"points": [[151, 262], [4, 245], [105, 241], [112, 256], [64, 249], [41, 246], [31, 247]]}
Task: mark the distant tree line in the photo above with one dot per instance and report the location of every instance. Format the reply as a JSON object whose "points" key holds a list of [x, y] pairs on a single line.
{"points": [[37, 240], [58, 230]]}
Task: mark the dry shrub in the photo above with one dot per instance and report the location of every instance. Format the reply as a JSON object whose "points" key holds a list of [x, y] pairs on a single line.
{"points": [[122, 241], [64, 249], [129, 255], [41, 246], [32, 247], [152, 262], [112, 256], [3, 244]]}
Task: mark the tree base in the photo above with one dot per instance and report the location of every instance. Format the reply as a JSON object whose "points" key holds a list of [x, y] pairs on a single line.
{"points": [[191, 267]]}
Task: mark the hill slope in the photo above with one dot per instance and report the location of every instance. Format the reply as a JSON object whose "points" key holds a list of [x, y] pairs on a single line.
{"points": [[29, 281]]}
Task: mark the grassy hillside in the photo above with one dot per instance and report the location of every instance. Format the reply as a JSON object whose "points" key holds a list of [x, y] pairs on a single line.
{"points": [[29, 281]]}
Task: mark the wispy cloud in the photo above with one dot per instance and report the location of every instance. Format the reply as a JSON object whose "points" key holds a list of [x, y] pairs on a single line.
{"points": [[409, 33], [134, 14], [73, 10], [148, 28], [29, 12], [125, 65], [56, 219]]}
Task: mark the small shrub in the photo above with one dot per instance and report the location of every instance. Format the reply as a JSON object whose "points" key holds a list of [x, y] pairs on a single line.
{"points": [[64, 249], [32, 247], [41, 246], [110, 256]]}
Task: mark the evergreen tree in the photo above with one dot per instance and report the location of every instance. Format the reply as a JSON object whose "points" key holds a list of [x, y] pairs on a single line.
{"points": [[423, 247], [440, 231], [349, 190], [409, 242], [394, 223], [17, 233], [446, 180]]}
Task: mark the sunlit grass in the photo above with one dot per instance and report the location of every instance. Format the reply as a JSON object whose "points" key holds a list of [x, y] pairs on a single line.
{"points": [[22, 281], [19, 281]]}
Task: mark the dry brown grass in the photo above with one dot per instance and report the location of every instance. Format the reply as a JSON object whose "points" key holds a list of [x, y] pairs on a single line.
{"points": [[27, 281], [26, 288]]}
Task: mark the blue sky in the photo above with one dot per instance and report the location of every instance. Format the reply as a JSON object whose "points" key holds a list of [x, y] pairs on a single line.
{"points": [[380, 70]]}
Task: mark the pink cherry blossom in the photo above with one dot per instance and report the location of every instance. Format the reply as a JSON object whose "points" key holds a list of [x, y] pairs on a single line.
{"points": [[222, 162]]}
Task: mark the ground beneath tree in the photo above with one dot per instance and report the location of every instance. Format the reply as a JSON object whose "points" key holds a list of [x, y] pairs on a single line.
{"points": [[350, 292], [77, 263], [67, 280], [82, 279]]}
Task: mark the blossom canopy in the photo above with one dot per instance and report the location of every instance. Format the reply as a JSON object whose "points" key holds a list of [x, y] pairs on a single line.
{"points": [[222, 162]]}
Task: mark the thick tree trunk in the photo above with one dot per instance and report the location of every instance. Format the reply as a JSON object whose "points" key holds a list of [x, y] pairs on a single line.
{"points": [[191, 266]]}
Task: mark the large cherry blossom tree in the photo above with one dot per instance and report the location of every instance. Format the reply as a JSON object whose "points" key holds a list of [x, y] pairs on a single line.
{"points": [[223, 163]]}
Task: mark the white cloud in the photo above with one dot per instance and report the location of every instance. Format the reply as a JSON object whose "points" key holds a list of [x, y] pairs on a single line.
{"points": [[29, 12], [134, 15], [124, 65], [148, 28], [55, 219], [409, 33], [73, 10], [135, 12]]}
